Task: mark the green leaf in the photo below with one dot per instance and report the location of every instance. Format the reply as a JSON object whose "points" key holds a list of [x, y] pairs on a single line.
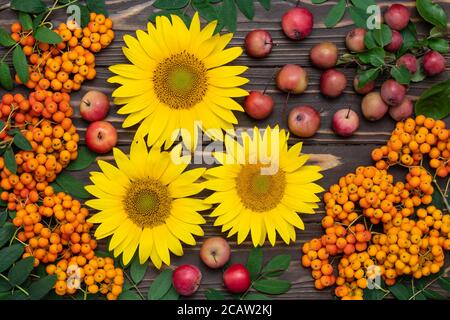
{"points": [[12, 214], [401, 75], [434, 102], [409, 35], [437, 200], [167, 13], [254, 262], [272, 286], [28, 6], [277, 265], [205, 9], [3, 218], [419, 75], [363, 4], [256, 296], [400, 291], [20, 64], [20, 271], [97, 6], [335, 14], [56, 187], [37, 20], [444, 283], [5, 76], [5, 38], [228, 15], [369, 40], [368, 75], [137, 270], [85, 158], [44, 34], [9, 255], [247, 8], [4, 286], [432, 13], [382, 36], [359, 16], [21, 142], [373, 294], [213, 294], [6, 232], [440, 45], [25, 21], [437, 32], [266, 3], [40, 288], [160, 285], [433, 295], [72, 186], [129, 295], [374, 56], [84, 15], [170, 4], [318, 1], [13, 295], [10, 160], [172, 294]]}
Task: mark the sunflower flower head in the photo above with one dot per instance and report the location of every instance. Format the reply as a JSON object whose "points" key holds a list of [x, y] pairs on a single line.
{"points": [[144, 203], [261, 187], [177, 80]]}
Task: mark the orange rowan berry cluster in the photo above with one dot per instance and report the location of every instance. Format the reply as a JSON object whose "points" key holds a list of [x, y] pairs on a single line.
{"points": [[47, 126], [374, 191], [69, 234], [97, 275], [413, 238], [66, 65], [338, 239], [57, 234], [411, 140], [20, 111]]}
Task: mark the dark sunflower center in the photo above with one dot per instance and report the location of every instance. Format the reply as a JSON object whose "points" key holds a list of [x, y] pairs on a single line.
{"points": [[147, 203], [260, 192], [180, 81]]}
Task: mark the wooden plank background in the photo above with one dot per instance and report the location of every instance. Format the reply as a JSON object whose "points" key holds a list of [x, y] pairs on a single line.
{"points": [[338, 156]]}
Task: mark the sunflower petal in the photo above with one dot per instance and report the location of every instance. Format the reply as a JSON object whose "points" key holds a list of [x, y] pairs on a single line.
{"points": [[145, 245], [223, 57]]}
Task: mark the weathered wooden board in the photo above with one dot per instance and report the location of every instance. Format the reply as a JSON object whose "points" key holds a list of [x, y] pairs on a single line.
{"points": [[338, 155]]}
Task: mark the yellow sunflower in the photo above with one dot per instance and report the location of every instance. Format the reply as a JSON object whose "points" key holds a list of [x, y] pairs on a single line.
{"points": [[176, 80], [144, 203], [261, 187]]}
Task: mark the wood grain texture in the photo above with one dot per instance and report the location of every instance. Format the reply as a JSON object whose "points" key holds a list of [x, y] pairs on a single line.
{"points": [[338, 156]]}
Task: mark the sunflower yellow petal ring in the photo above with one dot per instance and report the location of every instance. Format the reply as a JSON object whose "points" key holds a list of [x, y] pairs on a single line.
{"points": [[144, 203], [256, 203], [180, 72]]}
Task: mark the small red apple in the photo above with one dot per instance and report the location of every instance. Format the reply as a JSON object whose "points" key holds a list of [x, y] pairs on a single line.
{"points": [[332, 83], [368, 87], [186, 279], [292, 78], [345, 122], [304, 121], [324, 55], [297, 23], [258, 43], [237, 278], [215, 252], [101, 137], [258, 105], [397, 16], [94, 106], [433, 63]]}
